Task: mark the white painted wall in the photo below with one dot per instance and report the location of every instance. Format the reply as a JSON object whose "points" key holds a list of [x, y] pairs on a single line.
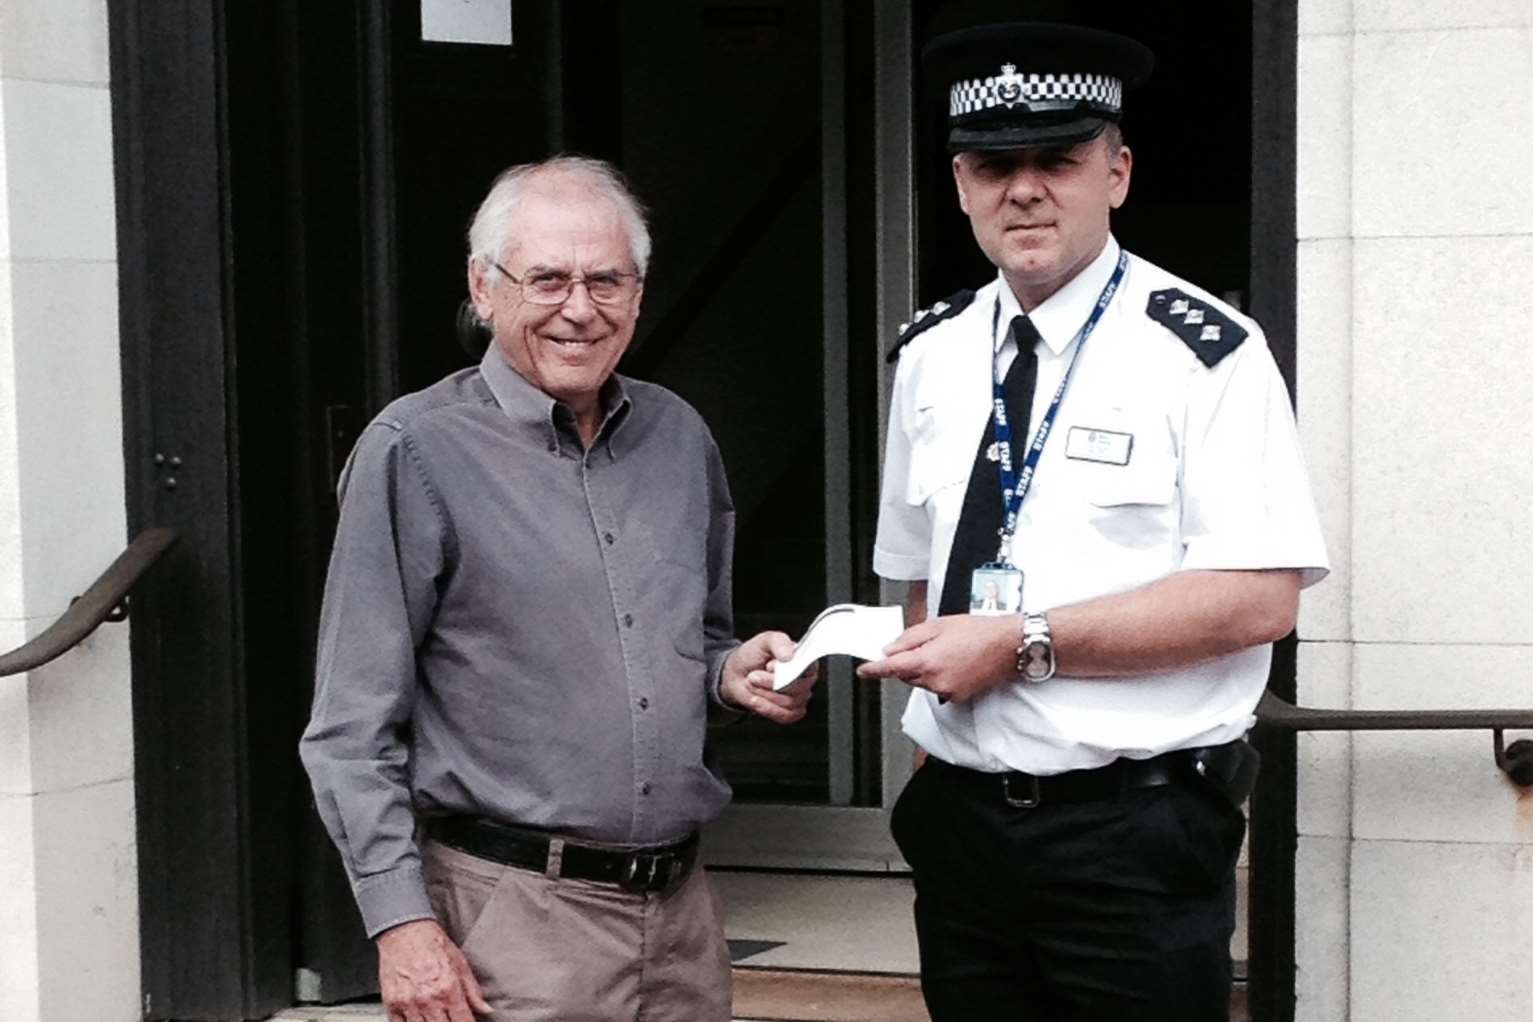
{"points": [[1415, 383], [68, 874]]}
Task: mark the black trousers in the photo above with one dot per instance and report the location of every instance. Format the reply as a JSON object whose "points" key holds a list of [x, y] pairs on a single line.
{"points": [[1116, 908]]}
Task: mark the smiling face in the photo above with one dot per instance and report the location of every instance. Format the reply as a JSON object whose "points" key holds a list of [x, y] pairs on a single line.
{"points": [[1041, 215], [569, 350]]}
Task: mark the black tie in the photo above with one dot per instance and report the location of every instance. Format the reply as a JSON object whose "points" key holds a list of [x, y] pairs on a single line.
{"points": [[979, 524]]}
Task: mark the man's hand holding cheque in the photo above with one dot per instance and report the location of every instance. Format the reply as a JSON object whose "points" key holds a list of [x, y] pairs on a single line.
{"points": [[746, 682]]}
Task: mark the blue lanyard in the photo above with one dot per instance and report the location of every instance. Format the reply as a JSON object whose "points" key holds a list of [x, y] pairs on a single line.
{"points": [[1014, 487]]}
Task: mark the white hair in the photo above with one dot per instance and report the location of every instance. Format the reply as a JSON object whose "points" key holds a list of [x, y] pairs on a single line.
{"points": [[494, 225]]}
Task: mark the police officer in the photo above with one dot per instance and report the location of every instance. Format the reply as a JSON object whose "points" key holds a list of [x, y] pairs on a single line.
{"points": [[1120, 441]]}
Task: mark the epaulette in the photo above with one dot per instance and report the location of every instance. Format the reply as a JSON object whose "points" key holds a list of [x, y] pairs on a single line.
{"points": [[1208, 332], [925, 319]]}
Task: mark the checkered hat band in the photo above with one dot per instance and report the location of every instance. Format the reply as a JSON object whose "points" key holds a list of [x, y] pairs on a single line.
{"points": [[1044, 91]]}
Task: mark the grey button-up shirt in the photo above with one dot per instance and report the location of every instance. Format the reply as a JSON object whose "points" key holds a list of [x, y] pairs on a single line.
{"points": [[519, 628]]}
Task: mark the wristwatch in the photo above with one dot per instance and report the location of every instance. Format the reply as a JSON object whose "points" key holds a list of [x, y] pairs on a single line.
{"points": [[1035, 656]]}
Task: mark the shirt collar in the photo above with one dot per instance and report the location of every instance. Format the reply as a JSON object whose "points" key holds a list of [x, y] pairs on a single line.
{"points": [[1062, 314], [527, 406]]}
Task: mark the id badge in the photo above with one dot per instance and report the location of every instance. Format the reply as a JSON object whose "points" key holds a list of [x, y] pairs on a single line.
{"points": [[995, 589]]}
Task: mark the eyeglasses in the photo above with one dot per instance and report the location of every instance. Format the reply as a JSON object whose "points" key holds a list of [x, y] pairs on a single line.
{"points": [[549, 287]]}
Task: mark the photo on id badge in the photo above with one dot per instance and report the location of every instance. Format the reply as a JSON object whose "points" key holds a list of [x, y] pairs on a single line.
{"points": [[994, 589]]}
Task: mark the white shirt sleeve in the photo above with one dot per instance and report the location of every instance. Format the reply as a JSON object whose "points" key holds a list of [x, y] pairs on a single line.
{"points": [[1246, 501], [902, 547]]}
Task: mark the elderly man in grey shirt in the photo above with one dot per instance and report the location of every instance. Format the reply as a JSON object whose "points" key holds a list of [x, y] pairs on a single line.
{"points": [[526, 627]]}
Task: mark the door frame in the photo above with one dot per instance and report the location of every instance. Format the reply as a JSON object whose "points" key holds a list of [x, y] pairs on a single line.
{"points": [[215, 937], [206, 169], [1273, 839]]}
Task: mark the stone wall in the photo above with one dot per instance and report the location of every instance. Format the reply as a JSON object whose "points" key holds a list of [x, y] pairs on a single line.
{"points": [[1415, 379], [68, 874]]}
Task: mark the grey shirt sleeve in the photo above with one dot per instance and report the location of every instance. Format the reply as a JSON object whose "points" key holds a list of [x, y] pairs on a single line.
{"points": [[391, 547], [718, 621]]}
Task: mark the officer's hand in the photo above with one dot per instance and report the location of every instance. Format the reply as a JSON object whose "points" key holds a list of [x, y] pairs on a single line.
{"points": [[958, 657], [424, 977], [747, 680]]}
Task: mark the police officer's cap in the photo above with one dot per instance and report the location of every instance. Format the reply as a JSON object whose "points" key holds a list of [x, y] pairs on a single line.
{"points": [[1011, 86]]}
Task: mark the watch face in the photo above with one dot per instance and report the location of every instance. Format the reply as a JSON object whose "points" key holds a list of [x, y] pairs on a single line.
{"points": [[1038, 663]]}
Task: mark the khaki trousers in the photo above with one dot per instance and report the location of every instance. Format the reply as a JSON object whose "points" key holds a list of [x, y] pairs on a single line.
{"points": [[573, 950]]}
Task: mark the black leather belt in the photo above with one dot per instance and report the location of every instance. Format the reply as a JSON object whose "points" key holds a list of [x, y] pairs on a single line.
{"points": [[654, 868], [1026, 791]]}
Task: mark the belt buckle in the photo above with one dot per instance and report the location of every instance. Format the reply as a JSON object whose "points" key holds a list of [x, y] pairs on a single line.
{"points": [[650, 871], [1028, 801]]}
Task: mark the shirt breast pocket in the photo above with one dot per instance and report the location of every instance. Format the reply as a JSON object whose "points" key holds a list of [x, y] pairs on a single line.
{"points": [[1133, 505], [939, 459]]}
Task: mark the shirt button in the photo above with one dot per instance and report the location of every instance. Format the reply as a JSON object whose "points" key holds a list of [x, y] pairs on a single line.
{"points": [[643, 702], [644, 788], [627, 620], [609, 537]]}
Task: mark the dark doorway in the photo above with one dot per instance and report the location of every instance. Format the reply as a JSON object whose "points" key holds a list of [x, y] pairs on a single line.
{"points": [[728, 157]]}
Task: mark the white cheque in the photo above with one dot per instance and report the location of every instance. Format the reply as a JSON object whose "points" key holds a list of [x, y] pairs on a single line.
{"points": [[850, 629]]}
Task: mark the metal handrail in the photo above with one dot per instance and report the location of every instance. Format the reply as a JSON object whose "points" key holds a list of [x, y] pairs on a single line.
{"points": [[1515, 760], [105, 600], [1281, 714]]}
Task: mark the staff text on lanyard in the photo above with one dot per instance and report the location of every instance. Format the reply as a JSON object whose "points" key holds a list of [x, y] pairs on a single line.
{"points": [[1014, 487]]}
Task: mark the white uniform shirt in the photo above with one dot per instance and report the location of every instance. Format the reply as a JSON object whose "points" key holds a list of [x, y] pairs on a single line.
{"points": [[1215, 480]]}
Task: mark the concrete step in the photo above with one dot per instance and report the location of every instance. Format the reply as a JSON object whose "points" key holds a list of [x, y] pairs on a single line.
{"points": [[774, 995], [368, 1012], [792, 995], [761, 995], [778, 995]]}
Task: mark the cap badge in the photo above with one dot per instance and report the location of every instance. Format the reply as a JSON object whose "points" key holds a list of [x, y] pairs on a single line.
{"points": [[1008, 85]]}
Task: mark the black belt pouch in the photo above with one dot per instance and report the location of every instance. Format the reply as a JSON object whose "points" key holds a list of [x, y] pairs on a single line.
{"points": [[1229, 770]]}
